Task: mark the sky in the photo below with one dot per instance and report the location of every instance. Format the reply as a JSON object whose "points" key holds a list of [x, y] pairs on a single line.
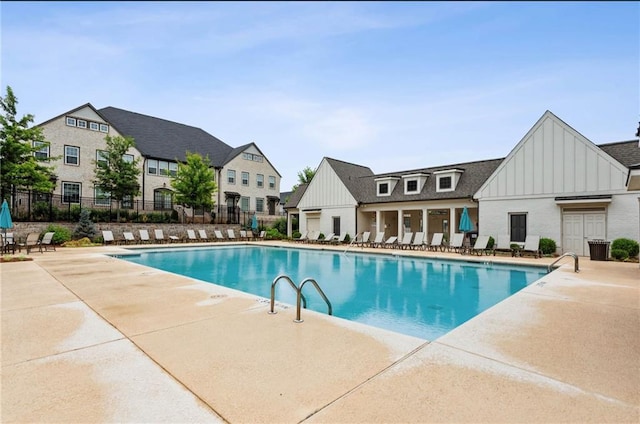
{"points": [[390, 85]]}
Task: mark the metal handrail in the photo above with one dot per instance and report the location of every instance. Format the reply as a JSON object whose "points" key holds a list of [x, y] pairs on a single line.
{"points": [[353, 240], [299, 296], [315, 283], [573, 255]]}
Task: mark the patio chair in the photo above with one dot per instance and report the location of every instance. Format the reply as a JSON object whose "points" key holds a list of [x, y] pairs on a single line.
{"points": [[391, 242], [364, 239], [406, 241], [244, 235], [159, 236], [47, 242], [191, 235], [437, 242], [313, 237], [377, 241], [231, 235], [418, 241], [203, 235], [8, 243], [456, 243], [531, 247], [480, 246], [503, 244], [262, 235], [174, 238], [144, 236], [327, 239], [219, 236], [107, 237], [341, 238], [33, 240], [303, 237], [128, 237]]}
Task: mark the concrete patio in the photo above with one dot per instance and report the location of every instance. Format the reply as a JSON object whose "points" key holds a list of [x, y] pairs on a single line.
{"points": [[90, 338]]}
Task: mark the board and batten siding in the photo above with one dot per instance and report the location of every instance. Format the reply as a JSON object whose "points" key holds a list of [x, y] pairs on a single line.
{"points": [[554, 159]]}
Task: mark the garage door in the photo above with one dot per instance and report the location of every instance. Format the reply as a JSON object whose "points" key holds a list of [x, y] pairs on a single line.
{"points": [[313, 223], [579, 228]]}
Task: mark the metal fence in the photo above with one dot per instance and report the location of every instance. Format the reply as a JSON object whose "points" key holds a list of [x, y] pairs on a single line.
{"points": [[45, 207]]}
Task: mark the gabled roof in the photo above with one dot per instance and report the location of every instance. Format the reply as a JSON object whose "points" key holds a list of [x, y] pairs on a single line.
{"points": [[161, 139], [295, 197], [350, 174], [625, 152], [72, 111], [238, 150], [474, 175]]}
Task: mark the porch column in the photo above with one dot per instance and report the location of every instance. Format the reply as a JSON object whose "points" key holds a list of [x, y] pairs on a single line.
{"points": [[378, 216], [400, 223], [452, 222], [425, 223]]}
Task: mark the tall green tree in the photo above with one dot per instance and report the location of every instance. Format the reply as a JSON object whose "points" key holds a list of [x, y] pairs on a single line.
{"points": [[117, 172], [304, 177], [20, 167], [194, 182]]}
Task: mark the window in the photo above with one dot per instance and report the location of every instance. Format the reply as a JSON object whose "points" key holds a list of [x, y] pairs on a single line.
{"points": [[163, 167], [81, 123], [71, 121], [101, 156], [127, 202], [231, 176], [444, 183], [244, 204], [383, 188], [173, 169], [336, 224], [104, 128], [152, 167], [162, 199], [93, 126], [71, 155], [412, 186], [102, 198], [245, 178], [43, 152], [259, 204], [518, 226], [252, 157], [260, 180], [71, 192], [272, 182]]}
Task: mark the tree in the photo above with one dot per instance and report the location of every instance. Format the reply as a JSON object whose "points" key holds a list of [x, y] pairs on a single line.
{"points": [[194, 182], [20, 167], [116, 173], [85, 227], [304, 177]]}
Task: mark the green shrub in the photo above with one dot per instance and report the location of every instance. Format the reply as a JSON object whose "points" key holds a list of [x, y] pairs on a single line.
{"points": [[296, 234], [491, 242], [61, 235], [628, 245], [85, 227], [347, 238], [41, 211], [547, 246], [619, 254], [273, 234], [281, 225]]}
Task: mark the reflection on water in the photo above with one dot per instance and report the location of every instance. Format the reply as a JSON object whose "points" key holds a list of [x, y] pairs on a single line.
{"points": [[420, 297]]}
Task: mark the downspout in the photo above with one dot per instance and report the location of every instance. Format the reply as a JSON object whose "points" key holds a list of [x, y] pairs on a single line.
{"points": [[144, 167]]}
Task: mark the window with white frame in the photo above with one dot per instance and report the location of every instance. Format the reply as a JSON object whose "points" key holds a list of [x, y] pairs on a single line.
{"points": [[81, 123], [101, 197], [383, 188], [71, 121], [231, 176], [260, 180], [71, 155], [259, 204], [444, 183], [162, 199], [173, 169], [163, 168], [101, 156], [152, 167], [272, 182], [245, 178], [518, 226], [244, 204], [70, 192], [412, 186], [94, 126], [43, 151], [104, 128]]}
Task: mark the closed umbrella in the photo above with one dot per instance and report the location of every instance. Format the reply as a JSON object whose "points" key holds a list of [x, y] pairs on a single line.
{"points": [[5, 218], [465, 223], [254, 224]]}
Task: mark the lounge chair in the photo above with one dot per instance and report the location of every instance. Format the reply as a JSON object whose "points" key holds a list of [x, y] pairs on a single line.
{"points": [[231, 235], [364, 240], [406, 241], [313, 237], [377, 241], [219, 236], [174, 239], [33, 240], [244, 235], [418, 241], [107, 237], [303, 237], [341, 238], [191, 235], [128, 237], [456, 243], [327, 239], [47, 242], [203, 235], [391, 242], [144, 236], [8, 243], [159, 236], [437, 242], [503, 244], [262, 235], [480, 246], [531, 247]]}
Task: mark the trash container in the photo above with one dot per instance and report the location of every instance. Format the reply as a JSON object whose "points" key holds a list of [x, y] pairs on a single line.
{"points": [[599, 250]]}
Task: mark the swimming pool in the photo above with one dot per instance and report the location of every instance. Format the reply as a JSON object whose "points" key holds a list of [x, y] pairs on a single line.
{"points": [[420, 297]]}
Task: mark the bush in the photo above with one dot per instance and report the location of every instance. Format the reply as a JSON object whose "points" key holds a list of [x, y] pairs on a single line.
{"points": [[296, 234], [547, 246], [619, 254], [347, 238], [273, 234], [281, 225], [61, 235], [628, 245], [491, 242], [85, 228]]}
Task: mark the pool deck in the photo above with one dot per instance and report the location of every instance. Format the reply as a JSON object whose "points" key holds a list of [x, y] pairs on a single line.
{"points": [[90, 338]]}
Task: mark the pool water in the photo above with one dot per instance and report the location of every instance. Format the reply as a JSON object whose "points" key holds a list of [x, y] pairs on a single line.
{"points": [[420, 297]]}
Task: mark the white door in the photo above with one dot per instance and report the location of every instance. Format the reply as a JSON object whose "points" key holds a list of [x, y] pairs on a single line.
{"points": [[579, 228], [313, 224]]}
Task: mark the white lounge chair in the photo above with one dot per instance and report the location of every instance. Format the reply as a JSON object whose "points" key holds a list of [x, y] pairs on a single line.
{"points": [[191, 235], [219, 236], [436, 242], [107, 237], [313, 237], [406, 241], [328, 238], [128, 237], [144, 236], [159, 236], [377, 241], [531, 246], [456, 242], [203, 235], [231, 234], [390, 242], [418, 241], [481, 246], [503, 244], [364, 239]]}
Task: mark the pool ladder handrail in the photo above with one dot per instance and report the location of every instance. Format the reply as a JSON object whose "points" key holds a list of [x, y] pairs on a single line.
{"points": [[299, 296], [351, 243], [575, 259]]}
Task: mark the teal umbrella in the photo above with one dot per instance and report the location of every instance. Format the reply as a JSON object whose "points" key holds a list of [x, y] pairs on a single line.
{"points": [[5, 218], [465, 222], [254, 224]]}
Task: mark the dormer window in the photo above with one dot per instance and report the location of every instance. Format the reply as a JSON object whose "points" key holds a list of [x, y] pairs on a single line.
{"points": [[385, 185], [413, 183], [447, 180]]}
